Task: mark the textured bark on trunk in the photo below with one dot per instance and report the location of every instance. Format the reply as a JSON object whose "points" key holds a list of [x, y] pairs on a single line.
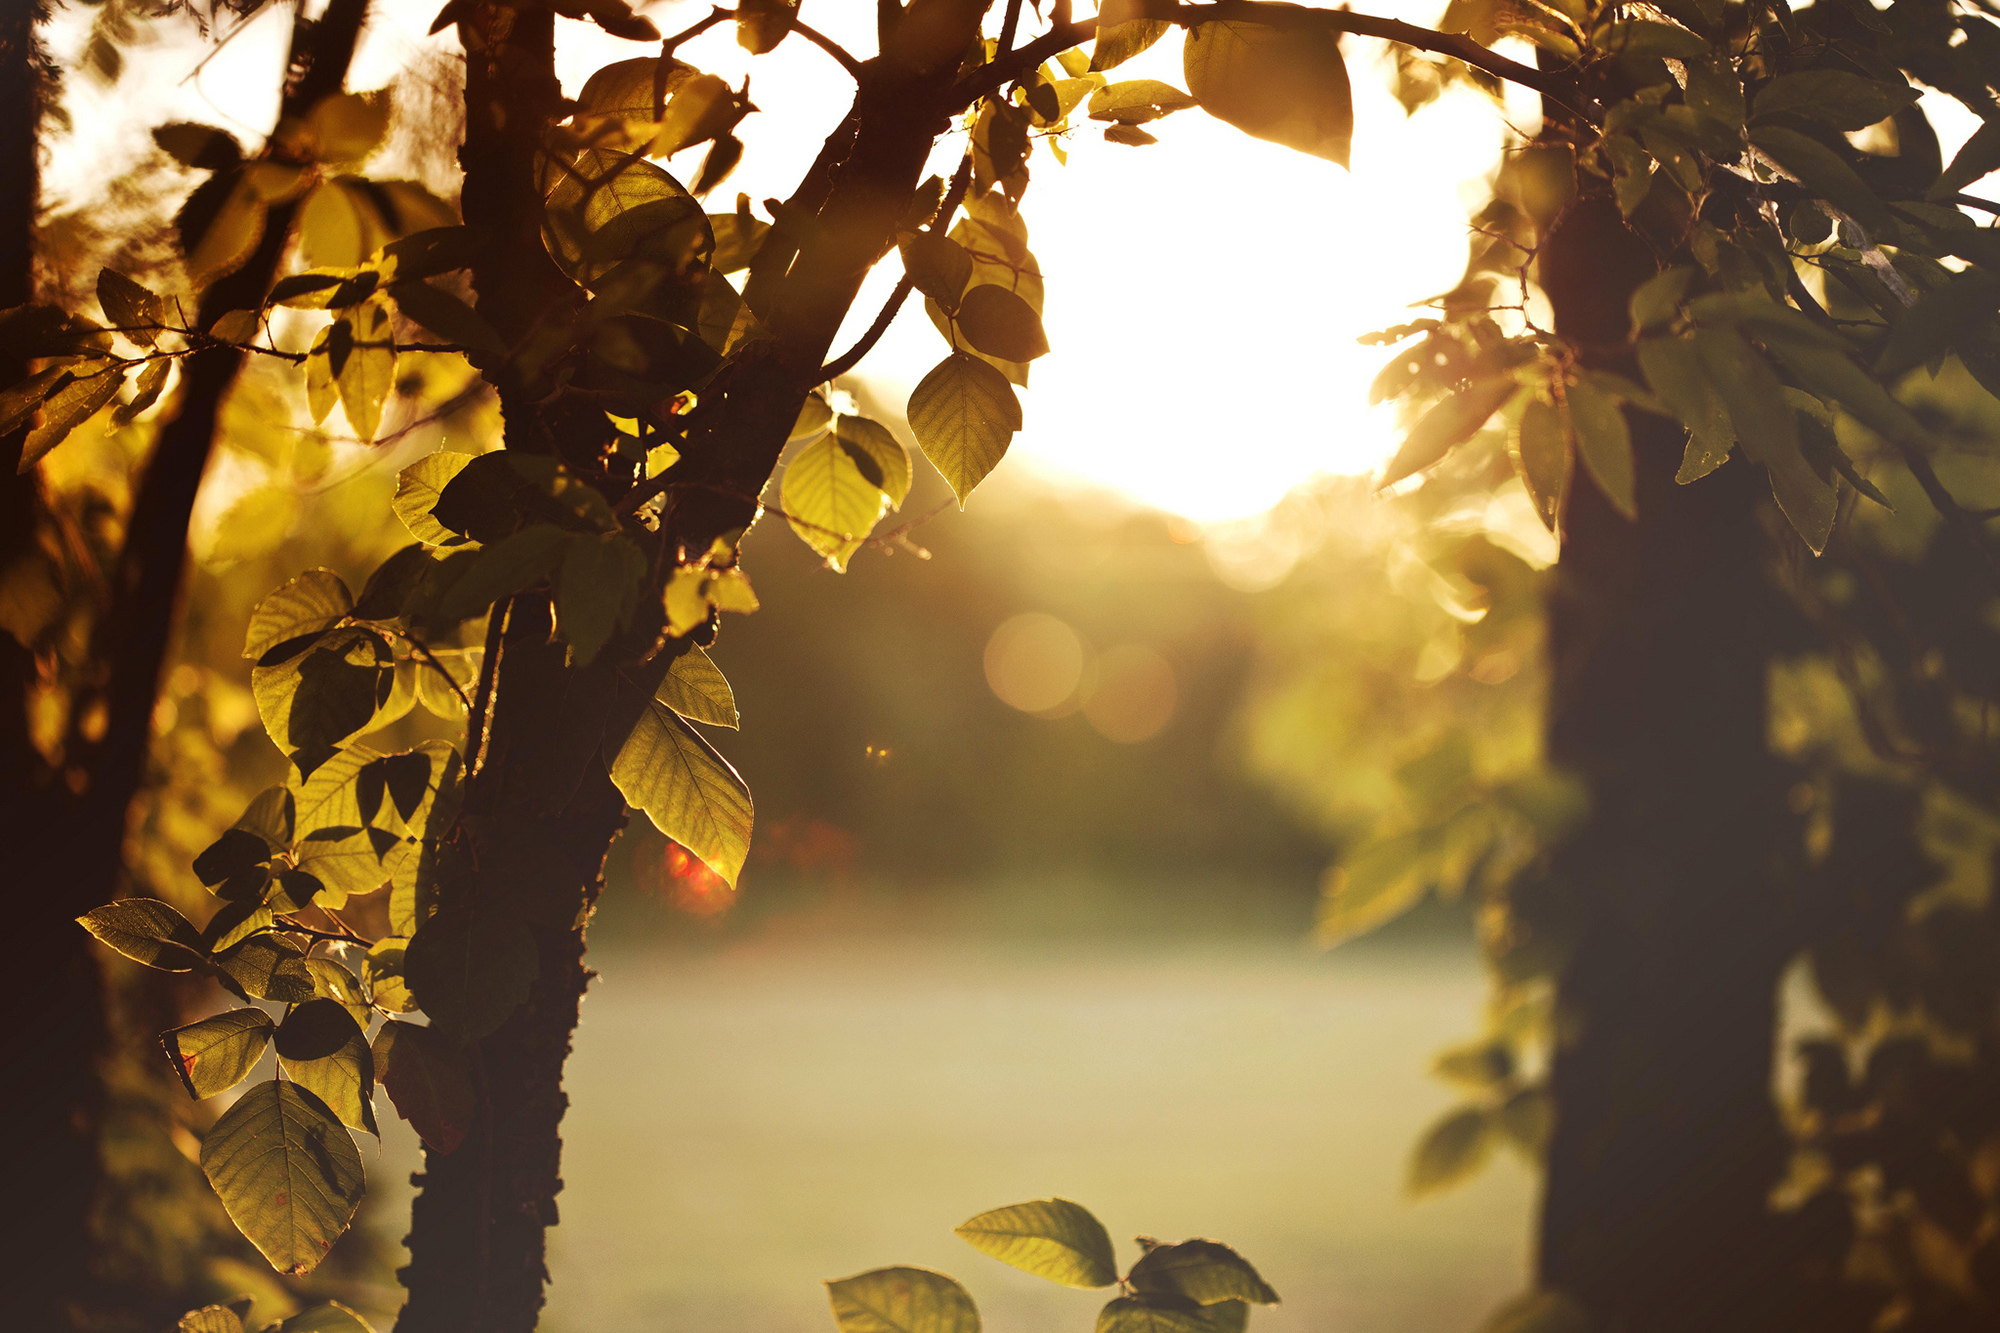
{"points": [[1666, 1140], [540, 806]]}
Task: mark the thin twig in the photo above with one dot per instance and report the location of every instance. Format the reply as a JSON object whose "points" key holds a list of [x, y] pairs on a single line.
{"points": [[834, 369], [831, 47], [422, 650]]}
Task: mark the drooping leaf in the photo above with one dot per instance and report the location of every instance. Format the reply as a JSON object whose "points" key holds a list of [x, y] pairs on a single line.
{"points": [[880, 455], [1833, 97], [1052, 1238], [696, 689], [1446, 426], [828, 500], [470, 966], [287, 1173], [688, 790], [1205, 1271], [1288, 86], [418, 487], [998, 322], [429, 1080], [937, 266], [129, 306], [902, 1300], [1376, 884], [1673, 369], [1764, 422], [69, 405], [367, 372], [216, 1054], [325, 1052], [1452, 1149], [1820, 170], [1975, 159], [146, 391], [147, 931], [1604, 442], [1941, 317], [305, 604], [964, 414], [1542, 457]]}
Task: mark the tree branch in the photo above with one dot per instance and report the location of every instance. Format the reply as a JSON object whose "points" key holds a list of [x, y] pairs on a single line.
{"points": [[831, 47], [1556, 84], [839, 366]]}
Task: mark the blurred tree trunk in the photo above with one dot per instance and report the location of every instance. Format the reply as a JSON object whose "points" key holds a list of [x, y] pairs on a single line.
{"points": [[64, 824], [1666, 1140], [51, 999]]}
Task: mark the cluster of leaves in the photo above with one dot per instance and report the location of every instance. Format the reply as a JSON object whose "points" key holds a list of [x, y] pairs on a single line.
{"points": [[1195, 1286], [326, 1317], [1723, 135]]}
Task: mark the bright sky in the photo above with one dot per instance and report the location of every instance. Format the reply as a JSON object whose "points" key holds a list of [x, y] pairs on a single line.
{"points": [[1204, 293]]}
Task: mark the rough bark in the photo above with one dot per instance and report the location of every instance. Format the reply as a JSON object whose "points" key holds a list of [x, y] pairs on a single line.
{"points": [[540, 802], [1666, 1140]]}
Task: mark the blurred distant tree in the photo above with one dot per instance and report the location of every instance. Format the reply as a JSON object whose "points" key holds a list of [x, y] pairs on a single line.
{"points": [[1691, 168]]}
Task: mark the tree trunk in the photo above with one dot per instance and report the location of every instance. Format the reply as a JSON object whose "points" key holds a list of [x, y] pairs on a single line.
{"points": [[1666, 1141]]}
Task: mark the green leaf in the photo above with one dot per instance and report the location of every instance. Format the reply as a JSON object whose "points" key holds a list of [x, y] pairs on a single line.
{"points": [[696, 689], [321, 393], [1204, 1271], [1820, 170], [814, 417], [828, 500], [1288, 86], [880, 455], [382, 974], [611, 210], [1123, 32], [334, 983], [429, 1081], [1136, 101], [418, 487], [964, 414], [1452, 1149], [600, 582], [902, 1300], [306, 604], [325, 1052], [1764, 422], [470, 966], [690, 792], [937, 266], [364, 371], [1833, 97], [264, 967], [448, 317], [211, 1319], [1657, 300], [346, 127], [129, 306], [217, 1053], [326, 1317], [1052, 1238], [1542, 457], [1941, 317], [67, 407], [312, 701], [1165, 1312], [1604, 443], [287, 1173], [512, 564], [147, 931], [1376, 885], [1446, 426], [1673, 368], [999, 323]]}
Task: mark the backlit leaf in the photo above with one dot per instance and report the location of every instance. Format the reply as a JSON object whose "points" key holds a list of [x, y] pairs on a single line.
{"points": [[1052, 1238], [217, 1053], [902, 1300], [1446, 426], [1122, 33], [287, 1173], [1452, 1149], [696, 689], [1289, 86], [147, 931], [1673, 369], [1204, 1271], [470, 966], [964, 414], [128, 306], [690, 792], [828, 501], [325, 1052], [1764, 423], [880, 455], [1542, 457], [367, 372], [68, 406], [1820, 170], [1166, 1312], [999, 323], [264, 967], [305, 604], [418, 487]]}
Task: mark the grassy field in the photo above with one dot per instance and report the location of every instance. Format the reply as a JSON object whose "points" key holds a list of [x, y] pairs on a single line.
{"points": [[750, 1119]]}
